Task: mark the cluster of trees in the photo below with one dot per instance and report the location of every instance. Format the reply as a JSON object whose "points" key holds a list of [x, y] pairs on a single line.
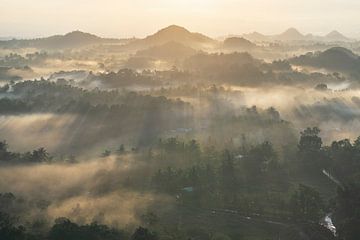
{"points": [[45, 96], [347, 211], [243, 69], [333, 59], [340, 158], [43, 89], [13, 106], [36, 156], [17, 60], [115, 113], [11, 74], [127, 77], [253, 180], [122, 78], [64, 228], [225, 178], [338, 109]]}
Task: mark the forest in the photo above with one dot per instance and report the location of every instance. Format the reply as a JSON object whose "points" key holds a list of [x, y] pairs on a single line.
{"points": [[180, 136]]}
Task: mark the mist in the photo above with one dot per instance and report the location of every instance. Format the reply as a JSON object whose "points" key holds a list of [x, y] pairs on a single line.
{"points": [[216, 128]]}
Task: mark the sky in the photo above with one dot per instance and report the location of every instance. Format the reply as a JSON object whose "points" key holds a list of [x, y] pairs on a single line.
{"points": [[139, 18]]}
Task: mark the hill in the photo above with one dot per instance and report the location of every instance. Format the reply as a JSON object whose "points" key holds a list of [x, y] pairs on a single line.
{"points": [[73, 39], [169, 50], [336, 36], [334, 59], [256, 37], [291, 34], [238, 43], [173, 33]]}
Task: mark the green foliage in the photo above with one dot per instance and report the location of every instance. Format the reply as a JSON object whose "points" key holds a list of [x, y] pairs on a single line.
{"points": [[258, 158], [143, 234], [310, 142], [65, 229], [8, 229], [121, 150], [36, 156], [347, 213], [306, 204], [310, 151], [106, 153]]}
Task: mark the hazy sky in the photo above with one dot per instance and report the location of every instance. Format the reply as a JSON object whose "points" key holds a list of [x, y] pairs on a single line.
{"points": [[120, 18]]}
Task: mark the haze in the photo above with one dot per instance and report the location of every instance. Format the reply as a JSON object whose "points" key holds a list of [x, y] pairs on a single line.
{"points": [[179, 120], [113, 18]]}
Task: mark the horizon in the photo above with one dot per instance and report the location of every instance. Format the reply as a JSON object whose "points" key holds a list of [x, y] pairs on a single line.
{"points": [[120, 19], [179, 119], [214, 37]]}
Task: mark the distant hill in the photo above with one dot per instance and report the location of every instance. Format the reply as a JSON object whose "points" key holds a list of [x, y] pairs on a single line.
{"points": [[334, 59], [336, 36], [70, 40], [292, 34], [169, 50], [257, 37], [238, 43], [174, 33]]}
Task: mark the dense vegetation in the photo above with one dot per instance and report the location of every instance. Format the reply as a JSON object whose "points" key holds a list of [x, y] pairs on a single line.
{"points": [[249, 181], [178, 136]]}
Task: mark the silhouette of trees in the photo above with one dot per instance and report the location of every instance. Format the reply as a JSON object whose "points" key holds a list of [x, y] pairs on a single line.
{"points": [[65, 229], [347, 212], [143, 234], [306, 204], [8, 229]]}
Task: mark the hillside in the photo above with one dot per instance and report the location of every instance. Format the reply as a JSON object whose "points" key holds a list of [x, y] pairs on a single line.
{"points": [[292, 34], [238, 43], [256, 37], [336, 36], [169, 50], [73, 39], [334, 59], [173, 33]]}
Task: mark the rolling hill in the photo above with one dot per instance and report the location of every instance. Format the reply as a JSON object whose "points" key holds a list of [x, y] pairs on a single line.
{"points": [[334, 59], [173, 33], [292, 34], [238, 43], [169, 50], [73, 39]]}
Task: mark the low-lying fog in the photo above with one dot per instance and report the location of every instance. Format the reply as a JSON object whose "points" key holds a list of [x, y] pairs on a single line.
{"points": [[94, 190], [334, 112]]}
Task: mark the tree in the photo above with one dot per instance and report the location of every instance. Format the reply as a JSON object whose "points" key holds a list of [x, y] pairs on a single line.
{"points": [[344, 158], [257, 159], [310, 148], [40, 155], [228, 178], [8, 231], [306, 204], [5, 155], [347, 212], [121, 150], [150, 218], [193, 149], [65, 229], [106, 153], [310, 140], [143, 234]]}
